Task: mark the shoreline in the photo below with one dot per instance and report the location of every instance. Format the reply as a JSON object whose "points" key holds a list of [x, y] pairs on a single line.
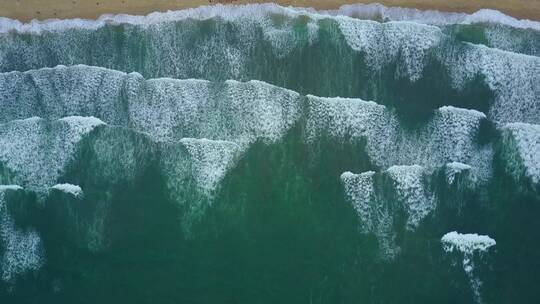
{"points": [[27, 10]]}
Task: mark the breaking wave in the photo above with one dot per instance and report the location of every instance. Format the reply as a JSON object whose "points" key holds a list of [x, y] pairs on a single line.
{"points": [[324, 144]]}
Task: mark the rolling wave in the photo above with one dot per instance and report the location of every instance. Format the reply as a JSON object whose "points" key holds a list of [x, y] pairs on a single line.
{"points": [[222, 138]]}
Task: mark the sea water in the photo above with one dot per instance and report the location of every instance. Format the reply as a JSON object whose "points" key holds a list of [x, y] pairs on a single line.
{"points": [[262, 154]]}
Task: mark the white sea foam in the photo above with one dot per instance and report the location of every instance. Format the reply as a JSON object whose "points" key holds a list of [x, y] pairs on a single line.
{"points": [[359, 189], [458, 167], [496, 17], [10, 187], [410, 191], [170, 110], [449, 136], [526, 140], [453, 169], [232, 12], [36, 150], [508, 39], [468, 245], [248, 16], [381, 198], [211, 160], [354, 118], [194, 170], [62, 91], [376, 215], [512, 79], [69, 188], [166, 40], [81, 125], [408, 35], [383, 43], [58, 92], [377, 11], [167, 109], [23, 250]]}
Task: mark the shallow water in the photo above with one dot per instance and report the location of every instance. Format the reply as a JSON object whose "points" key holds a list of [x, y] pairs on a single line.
{"points": [[205, 156]]}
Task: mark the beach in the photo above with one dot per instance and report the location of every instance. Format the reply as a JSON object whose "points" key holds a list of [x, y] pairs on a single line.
{"points": [[26, 10]]}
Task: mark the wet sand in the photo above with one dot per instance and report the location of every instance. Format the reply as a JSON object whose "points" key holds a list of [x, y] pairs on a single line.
{"points": [[26, 10]]}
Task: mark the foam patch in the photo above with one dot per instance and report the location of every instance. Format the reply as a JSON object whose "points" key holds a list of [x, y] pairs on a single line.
{"points": [[23, 249]]}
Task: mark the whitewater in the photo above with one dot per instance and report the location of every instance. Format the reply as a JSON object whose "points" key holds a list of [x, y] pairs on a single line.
{"points": [[259, 153]]}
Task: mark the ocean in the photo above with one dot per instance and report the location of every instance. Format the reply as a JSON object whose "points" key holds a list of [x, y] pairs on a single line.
{"points": [[263, 154]]}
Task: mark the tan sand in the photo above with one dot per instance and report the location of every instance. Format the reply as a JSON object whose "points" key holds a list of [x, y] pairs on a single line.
{"points": [[26, 10]]}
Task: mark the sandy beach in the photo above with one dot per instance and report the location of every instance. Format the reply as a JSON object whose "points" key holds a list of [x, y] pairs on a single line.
{"points": [[26, 10]]}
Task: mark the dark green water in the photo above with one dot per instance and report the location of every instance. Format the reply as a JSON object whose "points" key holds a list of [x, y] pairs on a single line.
{"points": [[207, 190]]}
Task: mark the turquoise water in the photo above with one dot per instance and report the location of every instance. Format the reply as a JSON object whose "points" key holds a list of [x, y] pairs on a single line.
{"points": [[266, 155]]}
